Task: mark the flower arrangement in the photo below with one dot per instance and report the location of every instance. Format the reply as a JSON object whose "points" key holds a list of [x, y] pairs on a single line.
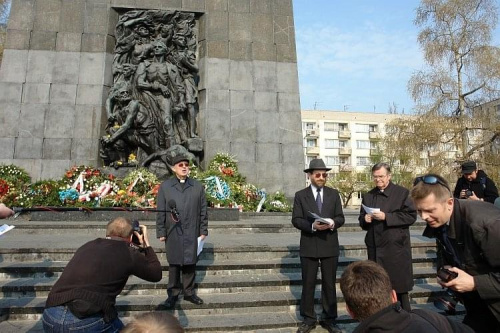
{"points": [[277, 202]]}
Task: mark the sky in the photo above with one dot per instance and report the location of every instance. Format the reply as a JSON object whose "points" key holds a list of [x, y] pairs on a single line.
{"points": [[357, 55]]}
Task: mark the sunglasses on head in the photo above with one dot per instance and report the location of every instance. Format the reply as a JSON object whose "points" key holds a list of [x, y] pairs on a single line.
{"points": [[183, 164], [319, 174], [430, 180]]}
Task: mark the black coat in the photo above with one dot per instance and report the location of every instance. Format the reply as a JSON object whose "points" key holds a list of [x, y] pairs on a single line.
{"points": [[182, 239], [482, 186], [317, 244], [388, 241]]}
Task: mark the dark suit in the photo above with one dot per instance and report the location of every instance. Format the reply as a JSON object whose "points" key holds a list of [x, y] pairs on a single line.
{"points": [[315, 247]]}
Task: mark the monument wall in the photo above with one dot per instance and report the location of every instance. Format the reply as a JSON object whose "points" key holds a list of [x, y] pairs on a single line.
{"points": [[57, 72]]}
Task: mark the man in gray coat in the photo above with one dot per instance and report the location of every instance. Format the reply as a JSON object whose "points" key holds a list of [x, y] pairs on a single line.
{"points": [[181, 220]]}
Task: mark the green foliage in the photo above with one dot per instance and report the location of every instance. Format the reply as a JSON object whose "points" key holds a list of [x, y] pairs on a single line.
{"points": [[277, 202]]}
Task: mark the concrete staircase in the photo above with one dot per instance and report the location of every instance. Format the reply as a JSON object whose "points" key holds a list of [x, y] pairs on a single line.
{"points": [[248, 274]]}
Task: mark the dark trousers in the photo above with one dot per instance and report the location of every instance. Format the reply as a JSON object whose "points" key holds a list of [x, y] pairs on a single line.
{"points": [[404, 299], [328, 291], [174, 277]]}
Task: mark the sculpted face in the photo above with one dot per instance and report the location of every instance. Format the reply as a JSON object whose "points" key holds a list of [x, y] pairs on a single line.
{"points": [[434, 212]]}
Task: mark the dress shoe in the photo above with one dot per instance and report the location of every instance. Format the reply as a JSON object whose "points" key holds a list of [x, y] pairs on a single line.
{"points": [[305, 328], [194, 299], [330, 327], [170, 302]]}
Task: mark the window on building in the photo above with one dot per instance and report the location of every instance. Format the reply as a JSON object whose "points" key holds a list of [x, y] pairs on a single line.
{"points": [[344, 160], [311, 143], [362, 161], [363, 144], [330, 126], [373, 145], [332, 160], [362, 128], [373, 128], [310, 126], [331, 143], [343, 127], [343, 143]]}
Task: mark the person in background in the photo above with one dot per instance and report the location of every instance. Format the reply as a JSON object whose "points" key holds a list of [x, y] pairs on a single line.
{"points": [[475, 184]]}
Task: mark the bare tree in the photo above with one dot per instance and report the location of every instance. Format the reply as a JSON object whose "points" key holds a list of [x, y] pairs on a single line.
{"points": [[4, 14], [463, 68], [349, 183]]}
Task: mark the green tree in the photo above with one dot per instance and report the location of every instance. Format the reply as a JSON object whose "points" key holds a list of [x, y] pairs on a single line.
{"points": [[349, 183]]}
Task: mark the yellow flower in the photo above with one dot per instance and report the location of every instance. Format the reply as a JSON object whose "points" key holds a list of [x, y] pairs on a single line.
{"points": [[122, 192], [131, 158], [116, 125]]}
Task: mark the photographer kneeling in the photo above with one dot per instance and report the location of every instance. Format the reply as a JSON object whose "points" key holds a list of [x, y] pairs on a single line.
{"points": [[468, 234], [84, 297]]}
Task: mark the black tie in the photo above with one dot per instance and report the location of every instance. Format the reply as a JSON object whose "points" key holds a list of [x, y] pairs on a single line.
{"points": [[318, 200]]}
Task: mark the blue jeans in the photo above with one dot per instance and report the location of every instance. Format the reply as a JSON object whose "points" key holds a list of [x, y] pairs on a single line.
{"points": [[59, 319]]}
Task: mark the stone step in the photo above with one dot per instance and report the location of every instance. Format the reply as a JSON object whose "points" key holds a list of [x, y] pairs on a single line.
{"points": [[206, 284]]}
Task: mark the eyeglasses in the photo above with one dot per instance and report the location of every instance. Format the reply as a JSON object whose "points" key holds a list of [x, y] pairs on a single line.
{"points": [[430, 180], [379, 177], [183, 165], [319, 174]]}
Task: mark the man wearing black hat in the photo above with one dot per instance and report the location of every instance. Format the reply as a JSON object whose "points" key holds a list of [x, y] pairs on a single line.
{"points": [[318, 243], [475, 184], [181, 219]]}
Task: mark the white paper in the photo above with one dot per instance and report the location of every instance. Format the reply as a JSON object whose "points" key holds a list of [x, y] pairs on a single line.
{"points": [[4, 228], [321, 219], [370, 210], [200, 245]]}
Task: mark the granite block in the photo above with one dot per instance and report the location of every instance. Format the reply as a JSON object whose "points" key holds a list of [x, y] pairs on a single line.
{"points": [[59, 122], [14, 66], [216, 74], [288, 103], [151, 4], [216, 5], [66, 68], [56, 149], [53, 169], [88, 121], [217, 124], [32, 120], [287, 78], [213, 147], [261, 6], [268, 152], [240, 50], [11, 92], [283, 30], [193, 5], [239, 6], [110, 44], [217, 26], [33, 166], [248, 170], [295, 178], [241, 99], [214, 49], [72, 16], [7, 148], [9, 119], [43, 40], [268, 170], [239, 26], [47, 15], [89, 94], [283, 7], [108, 69], [28, 147], [266, 101], [84, 149], [263, 51], [22, 15], [17, 39], [36, 93], [243, 151], [123, 3], [91, 68], [217, 99], [264, 75], [96, 18], [113, 18], [94, 42], [267, 127], [262, 28], [241, 75], [286, 53], [68, 42], [292, 153], [40, 66], [290, 128], [243, 126], [63, 94]]}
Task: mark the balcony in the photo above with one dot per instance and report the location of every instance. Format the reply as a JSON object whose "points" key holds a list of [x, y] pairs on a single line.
{"points": [[344, 134], [375, 136], [312, 150], [345, 167], [375, 152], [312, 133], [344, 151]]}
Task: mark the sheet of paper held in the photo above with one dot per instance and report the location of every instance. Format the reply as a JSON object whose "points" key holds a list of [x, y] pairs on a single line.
{"points": [[200, 245], [370, 210]]}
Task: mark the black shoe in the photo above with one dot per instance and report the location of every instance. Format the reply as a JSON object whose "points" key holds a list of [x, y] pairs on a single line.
{"points": [[330, 327], [170, 302], [194, 299], [305, 328]]}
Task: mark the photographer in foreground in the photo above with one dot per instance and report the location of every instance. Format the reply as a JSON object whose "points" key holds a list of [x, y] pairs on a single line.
{"points": [[468, 237], [84, 297]]}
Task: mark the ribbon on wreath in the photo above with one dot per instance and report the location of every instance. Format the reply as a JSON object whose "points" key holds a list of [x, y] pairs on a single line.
{"points": [[132, 185], [261, 193], [217, 188], [79, 183]]}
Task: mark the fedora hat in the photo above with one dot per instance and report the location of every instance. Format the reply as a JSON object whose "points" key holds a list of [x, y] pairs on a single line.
{"points": [[317, 164], [179, 158]]}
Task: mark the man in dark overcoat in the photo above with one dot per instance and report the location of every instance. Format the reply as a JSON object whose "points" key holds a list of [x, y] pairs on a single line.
{"points": [[319, 243], [180, 232], [388, 235]]}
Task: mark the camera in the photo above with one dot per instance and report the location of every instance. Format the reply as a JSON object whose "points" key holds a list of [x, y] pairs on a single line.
{"points": [[136, 227], [446, 275], [447, 302], [468, 193]]}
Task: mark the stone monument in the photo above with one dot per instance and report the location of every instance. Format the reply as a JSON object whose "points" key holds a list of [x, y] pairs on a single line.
{"points": [[94, 81]]}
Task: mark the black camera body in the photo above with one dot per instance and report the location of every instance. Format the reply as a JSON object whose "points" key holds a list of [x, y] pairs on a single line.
{"points": [[446, 275], [468, 193], [136, 227]]}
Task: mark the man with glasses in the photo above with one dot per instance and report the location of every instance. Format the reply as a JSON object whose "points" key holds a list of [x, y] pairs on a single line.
{"points": [[468, 234], [387, 230], [318, 243], [181, 219]]}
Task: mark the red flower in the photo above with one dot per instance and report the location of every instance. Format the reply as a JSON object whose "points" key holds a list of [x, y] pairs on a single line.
{"points": [[111, 177], [96, 172], [69, 174], [4, 187]]}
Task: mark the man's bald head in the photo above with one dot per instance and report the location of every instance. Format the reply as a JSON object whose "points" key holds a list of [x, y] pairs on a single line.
{"points": [[119, 227]]}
